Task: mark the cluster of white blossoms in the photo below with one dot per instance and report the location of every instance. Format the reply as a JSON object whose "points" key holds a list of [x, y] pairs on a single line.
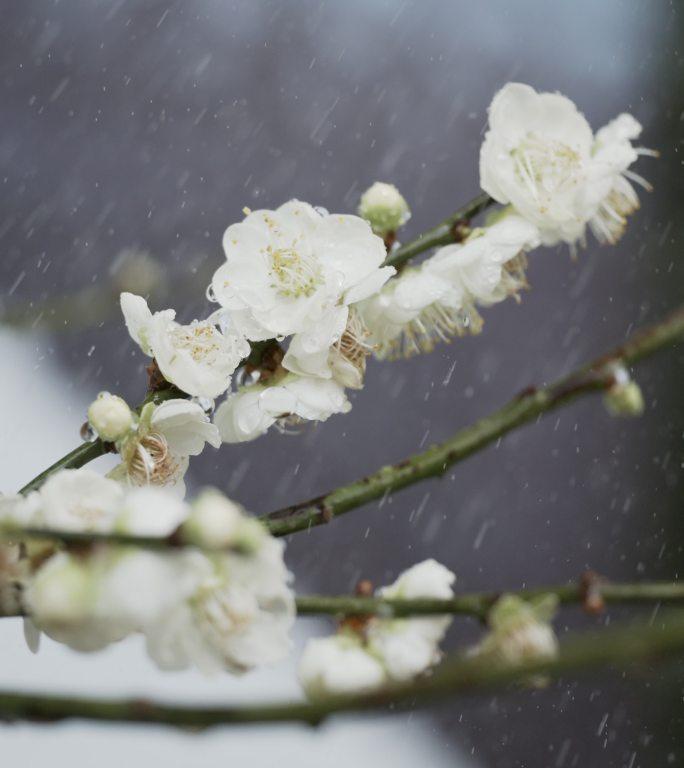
{"points": [[542, 161], [320, 283], [380, 651], [227, 607], [304, 298]]}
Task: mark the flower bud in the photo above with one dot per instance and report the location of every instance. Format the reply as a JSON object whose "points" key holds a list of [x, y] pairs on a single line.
{"points": [[214, 520], [251, 534], [60, 593], [110, 417], [384, 208], [624, 399]]}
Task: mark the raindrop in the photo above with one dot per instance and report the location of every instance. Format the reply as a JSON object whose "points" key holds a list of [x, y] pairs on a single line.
{"points": [[211, 296], [87, 433]]}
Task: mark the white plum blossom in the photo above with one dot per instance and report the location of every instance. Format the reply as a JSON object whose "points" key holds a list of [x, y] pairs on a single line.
{"points": [[77, 500], [90, 602], [384, 208], [288, 269], [540, 156], [428, 579], [198, 358], [253, 409], [150, 511], [437, 300], [409, 646], [489, 266], [225, 611], [234, 613], [110, 417], [17, 509], [384, 651], [520, 631], [158, 451], [412, 313], [339, 665], [311, 353]]}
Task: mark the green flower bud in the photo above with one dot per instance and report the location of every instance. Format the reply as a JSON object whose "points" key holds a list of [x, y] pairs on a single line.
{"points": [[384, 208], [624, 399], [110, 417]]}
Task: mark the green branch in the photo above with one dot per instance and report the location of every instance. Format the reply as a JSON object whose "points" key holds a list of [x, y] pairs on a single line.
{"points": [[478, 604], [79, 457], [80, 540], [433, 462], [592, 591], [443, 234], [618, 646]]}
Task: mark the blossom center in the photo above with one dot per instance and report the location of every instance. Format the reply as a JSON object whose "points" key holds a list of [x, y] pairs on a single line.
{"points": [[152, 461], [295, 274], [545, 164], [353, 346], [199, 340]]}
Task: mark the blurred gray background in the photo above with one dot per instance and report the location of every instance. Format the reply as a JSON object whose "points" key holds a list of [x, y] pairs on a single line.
{"points": [[151, 124]]}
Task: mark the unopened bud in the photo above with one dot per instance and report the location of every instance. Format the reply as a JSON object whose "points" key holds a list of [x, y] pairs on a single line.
{"points": [[624, 399], [216, 522], [110, 417], [384, 208], [250, 535], [60, 593], [213, 521]]}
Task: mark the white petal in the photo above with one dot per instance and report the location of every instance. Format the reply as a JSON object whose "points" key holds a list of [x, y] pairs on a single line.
{"points": [[185, 426], [138, 318]]}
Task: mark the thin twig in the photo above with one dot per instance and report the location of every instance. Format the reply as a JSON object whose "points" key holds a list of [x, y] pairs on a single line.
{"points": [[475, 604], [617, 646], [478, 604], [443, 234], [80, 540], [599, 375], [79, 457]]}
